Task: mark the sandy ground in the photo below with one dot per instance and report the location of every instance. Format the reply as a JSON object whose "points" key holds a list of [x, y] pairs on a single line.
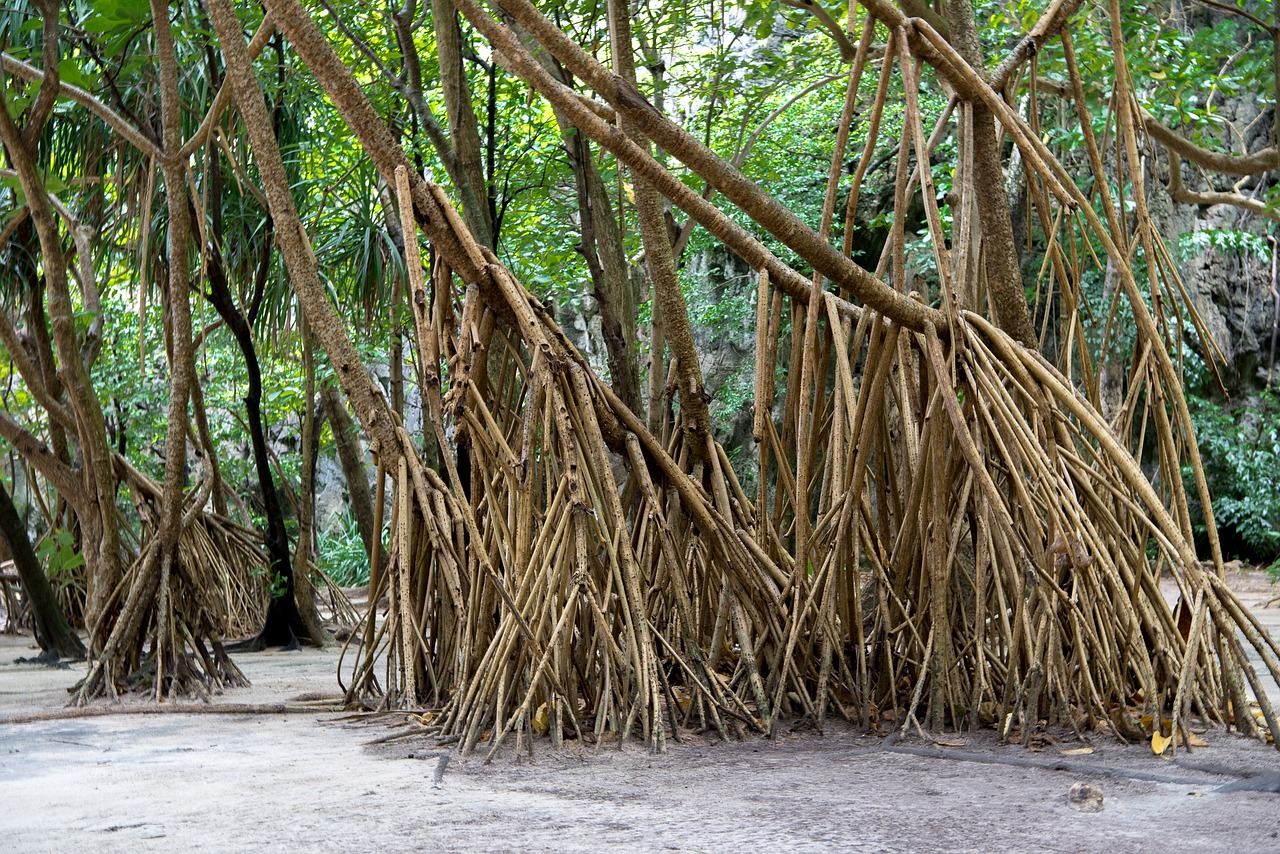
{"points": [[315, 782]]}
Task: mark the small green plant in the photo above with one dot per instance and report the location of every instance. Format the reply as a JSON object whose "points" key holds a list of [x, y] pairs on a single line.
{"points": [[1224, 240], [277, 585], [342, 555], [58, 553]]}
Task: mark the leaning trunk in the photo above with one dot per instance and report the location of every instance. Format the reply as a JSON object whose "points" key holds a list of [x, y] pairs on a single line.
{"points": [[54, 633]]}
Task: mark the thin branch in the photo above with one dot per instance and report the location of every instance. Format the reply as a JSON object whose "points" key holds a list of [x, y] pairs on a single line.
{"points": [[817, 10], [1234, 10], [1179, 193], [18, 68]]}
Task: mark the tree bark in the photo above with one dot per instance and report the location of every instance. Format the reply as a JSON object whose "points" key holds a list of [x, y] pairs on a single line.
{"points": [[327, 327], [306, 591], [606, 261], [661, 260], [999, 252], [464, 131], [94, 502], [346, 436], [474, 207]]}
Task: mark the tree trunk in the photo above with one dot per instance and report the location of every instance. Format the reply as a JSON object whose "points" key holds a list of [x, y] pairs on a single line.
{"points": [[351, 455], [660, 259], [325, 324], [607, 263], [999, 253], [306, 591], [54, 633], [283, 623], [94, 502], [464, 131], [603, 250]]}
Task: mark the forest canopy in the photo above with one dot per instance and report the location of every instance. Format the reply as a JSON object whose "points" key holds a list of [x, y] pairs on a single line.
{"points": [[676, 364]]}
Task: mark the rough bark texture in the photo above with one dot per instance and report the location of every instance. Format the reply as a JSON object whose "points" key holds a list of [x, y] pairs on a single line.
{"points": [[326, 326], [94, 499], [660, 259], [999, 253], [607, 263], [305, 592], [178, 284], [464, 132], [602, 248]]}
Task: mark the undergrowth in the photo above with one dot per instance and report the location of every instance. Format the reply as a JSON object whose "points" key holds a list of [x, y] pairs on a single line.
{"points": [[1241, 452]]}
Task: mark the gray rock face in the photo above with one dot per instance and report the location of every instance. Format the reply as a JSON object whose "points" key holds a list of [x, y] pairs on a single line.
{"points": [[331, 492], [722, 308], [1232, 291]]}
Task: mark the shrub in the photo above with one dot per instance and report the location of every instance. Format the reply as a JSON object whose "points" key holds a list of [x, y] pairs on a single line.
{"points": [[341, 553], [1241, 453]]}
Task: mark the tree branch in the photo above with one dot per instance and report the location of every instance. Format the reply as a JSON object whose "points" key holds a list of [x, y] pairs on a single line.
{"points": [[1179, 193], [1053, 19], [223, 98], [18, 68], [817, 10], [1235, 10], [1233, 164], [30, 374], [59, 474], [48, 94], [730, 182]]}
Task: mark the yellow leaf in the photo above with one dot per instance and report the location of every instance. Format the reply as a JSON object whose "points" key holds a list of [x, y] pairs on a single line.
{"points": [[1158, 75], [1159, 743], [1077, 751], [631, 193], [539, 722]]}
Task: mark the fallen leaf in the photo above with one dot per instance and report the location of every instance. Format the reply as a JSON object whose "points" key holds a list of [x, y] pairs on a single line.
{"points": [[1077, 751], [1159, 743], [942, 743], [539, 722]]}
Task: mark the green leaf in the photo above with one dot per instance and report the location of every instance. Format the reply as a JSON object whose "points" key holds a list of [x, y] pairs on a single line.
{"points": [[71, 72]]}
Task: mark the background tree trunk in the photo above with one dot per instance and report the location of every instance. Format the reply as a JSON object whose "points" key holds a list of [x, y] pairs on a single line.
{"points": [[346, 437], [54, 633]]}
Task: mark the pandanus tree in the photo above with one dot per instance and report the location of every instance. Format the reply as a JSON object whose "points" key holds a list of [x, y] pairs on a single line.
{"points": [[943, 529], [952, 532]]}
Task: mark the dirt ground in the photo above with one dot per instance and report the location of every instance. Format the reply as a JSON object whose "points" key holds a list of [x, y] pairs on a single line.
{"points": [[306, 781]]}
